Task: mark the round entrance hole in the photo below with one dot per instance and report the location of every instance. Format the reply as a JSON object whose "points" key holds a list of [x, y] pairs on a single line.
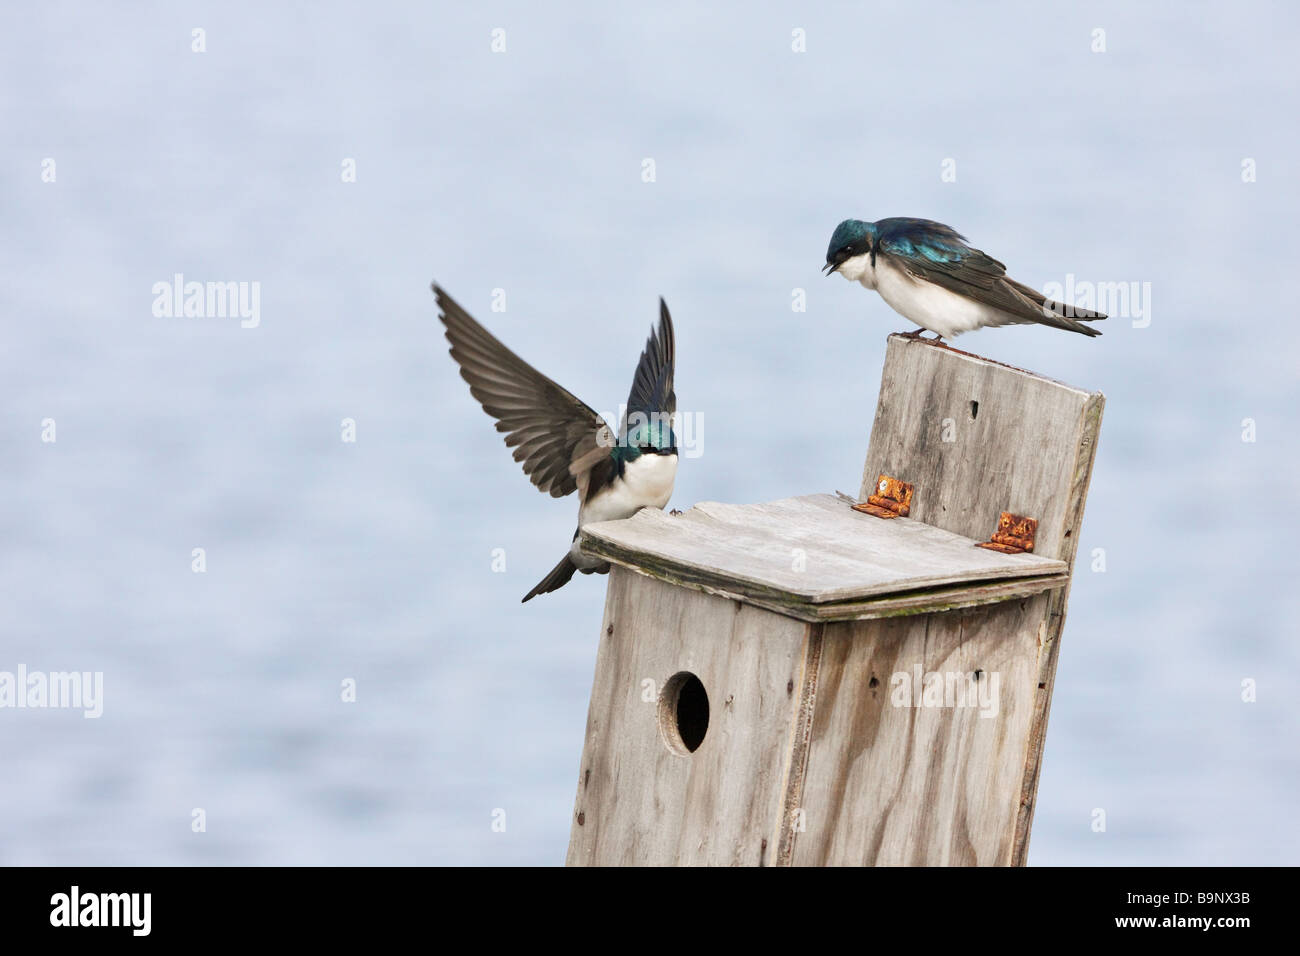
{"points": [[683, 713]]}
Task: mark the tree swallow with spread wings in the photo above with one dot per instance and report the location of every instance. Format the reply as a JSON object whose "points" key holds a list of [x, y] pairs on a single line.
{"points": [[566, 446], [927, 273]]}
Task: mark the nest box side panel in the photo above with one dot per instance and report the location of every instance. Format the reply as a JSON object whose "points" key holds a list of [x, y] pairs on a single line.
{"points": [[976, 438], [892, 783], [643, 798]]}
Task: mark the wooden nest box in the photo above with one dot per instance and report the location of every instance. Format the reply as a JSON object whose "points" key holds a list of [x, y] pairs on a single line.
{"points": [[802, 683]]}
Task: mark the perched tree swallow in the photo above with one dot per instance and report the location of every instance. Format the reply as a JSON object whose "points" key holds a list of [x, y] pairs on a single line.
{"points": [[564, 445], [927, 273]]}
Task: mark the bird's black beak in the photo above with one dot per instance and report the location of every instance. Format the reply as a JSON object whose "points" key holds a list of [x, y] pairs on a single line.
{"points": [[830, 267]]}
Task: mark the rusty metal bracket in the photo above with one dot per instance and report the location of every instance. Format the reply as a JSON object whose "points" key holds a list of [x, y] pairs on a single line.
{"points": [[1015, 534], [893, 499]]}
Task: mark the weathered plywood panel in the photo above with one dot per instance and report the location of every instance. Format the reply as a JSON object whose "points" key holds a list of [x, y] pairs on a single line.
{"points": [[932, 785], [1019, 443], [813, 549], [1079, 471], [638, 801], [1016, 452], [932, 600]]}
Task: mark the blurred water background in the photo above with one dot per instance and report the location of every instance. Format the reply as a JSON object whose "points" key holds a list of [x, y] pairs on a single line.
{"points": [[522, 170]]}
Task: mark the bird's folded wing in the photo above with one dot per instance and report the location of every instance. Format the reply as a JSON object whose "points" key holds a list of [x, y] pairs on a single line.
{"points": [[556, 435], [652, 385], [1056, 308], [965, 271]]}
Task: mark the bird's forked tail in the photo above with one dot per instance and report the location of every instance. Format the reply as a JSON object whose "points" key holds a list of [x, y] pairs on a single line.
{"points": [[557, 579]]}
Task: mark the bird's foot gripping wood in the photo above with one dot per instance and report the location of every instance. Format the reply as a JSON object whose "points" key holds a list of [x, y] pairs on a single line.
{"points": [[917, 336]]}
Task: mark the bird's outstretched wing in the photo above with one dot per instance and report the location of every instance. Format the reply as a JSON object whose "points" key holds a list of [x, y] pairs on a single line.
{"points": [[556, 436], [652, 385], [936, 253]]}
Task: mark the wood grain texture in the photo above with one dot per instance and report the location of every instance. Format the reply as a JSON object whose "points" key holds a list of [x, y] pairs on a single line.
{"points": [[796, 766], [813, 549], [1016, 453], [1080, 478], [927, 601], [640, 803], [1027, 446], [890, 784], [939, 600]]}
